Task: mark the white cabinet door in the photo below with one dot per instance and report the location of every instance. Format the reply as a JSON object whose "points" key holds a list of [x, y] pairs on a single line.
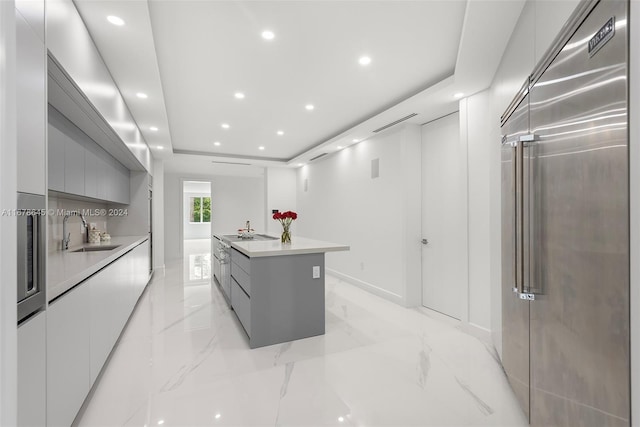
{"points": [[73, 167], [31, 108], [104, 306], [32, 374], [68, 355], [56, 158]]}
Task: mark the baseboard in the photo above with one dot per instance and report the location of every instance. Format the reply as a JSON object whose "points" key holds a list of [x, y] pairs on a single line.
{"points": [[483, 334], [382, 293]]}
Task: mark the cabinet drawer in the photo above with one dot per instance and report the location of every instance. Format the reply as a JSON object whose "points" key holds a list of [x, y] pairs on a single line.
{"points": [[243, 261], [241, 277], [241, 305]]}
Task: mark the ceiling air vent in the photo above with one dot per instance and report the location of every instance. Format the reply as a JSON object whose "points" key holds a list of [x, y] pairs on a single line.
{"points": [[231, 163], [387, 126], [317, 157]]}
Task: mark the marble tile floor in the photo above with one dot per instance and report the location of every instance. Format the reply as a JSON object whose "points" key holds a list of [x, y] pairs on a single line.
{"points": [[184, 360]]}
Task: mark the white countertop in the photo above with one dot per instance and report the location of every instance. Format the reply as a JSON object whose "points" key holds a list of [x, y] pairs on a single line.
{"points": [[65, 269], [298, 246]]}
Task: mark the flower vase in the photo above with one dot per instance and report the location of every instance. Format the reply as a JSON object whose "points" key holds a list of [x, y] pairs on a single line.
{"points": [[286, 235]]}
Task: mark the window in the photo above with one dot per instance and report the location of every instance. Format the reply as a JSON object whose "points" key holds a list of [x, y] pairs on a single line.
{"points": [[200, 209]]}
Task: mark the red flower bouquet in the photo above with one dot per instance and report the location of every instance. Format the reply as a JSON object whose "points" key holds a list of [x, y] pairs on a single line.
{"points": [[285, 218]]}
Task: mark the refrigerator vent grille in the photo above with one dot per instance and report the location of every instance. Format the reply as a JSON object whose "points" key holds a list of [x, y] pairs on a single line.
{"points": [[318, 156], [387, 126]]}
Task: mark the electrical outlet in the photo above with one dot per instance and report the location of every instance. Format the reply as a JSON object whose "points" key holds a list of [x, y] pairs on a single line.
{"points": [[316, 271]]}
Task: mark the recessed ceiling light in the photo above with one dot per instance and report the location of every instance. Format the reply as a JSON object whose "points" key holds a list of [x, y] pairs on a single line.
{"points": [[225, 126], [142, 95], [355, 140], [300, 164], [218, 416], [115, 20], [268, 35], [340, 147], [239, 95], [458, 95], [280, 133], [364, 60], [261, 148], [160, 147], [153, 129], [217, 143], [309, 107]]}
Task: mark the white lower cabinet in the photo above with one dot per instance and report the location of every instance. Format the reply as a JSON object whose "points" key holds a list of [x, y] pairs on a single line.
{"points": [[84, 325], [32, 374], [104, 322], [68, 355]]}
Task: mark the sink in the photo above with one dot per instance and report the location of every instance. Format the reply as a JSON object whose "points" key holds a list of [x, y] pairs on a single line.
{"points": [[96, 248]]}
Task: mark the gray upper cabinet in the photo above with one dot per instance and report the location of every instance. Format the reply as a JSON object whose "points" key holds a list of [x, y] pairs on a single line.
{"points": [[31, 104], [74, 167], [78, 166], [90, 174], [56, 159], [101, 178]]}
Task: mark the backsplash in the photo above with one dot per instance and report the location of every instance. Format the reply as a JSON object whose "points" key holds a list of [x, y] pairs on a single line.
{"points": [[57, 207]]}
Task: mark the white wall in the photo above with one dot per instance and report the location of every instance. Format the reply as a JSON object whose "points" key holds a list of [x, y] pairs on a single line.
{"points": [[474, 128], [8, 188], [280, 193], [234, 200], [378, 218]]}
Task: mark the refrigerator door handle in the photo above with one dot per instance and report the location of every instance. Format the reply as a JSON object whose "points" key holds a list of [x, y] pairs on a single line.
{"points": [[514, 180], [519, 199], [529, 277]]}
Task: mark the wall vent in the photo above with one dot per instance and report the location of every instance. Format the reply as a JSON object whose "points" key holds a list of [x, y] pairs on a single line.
{"points": [[387, 126], [317, 157], [231, 163]]}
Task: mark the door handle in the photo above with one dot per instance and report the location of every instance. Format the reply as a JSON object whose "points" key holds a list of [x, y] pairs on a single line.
{"points": [[425, 242]]}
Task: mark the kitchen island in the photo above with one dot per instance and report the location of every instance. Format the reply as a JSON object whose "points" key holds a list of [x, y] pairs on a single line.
{"points": [[277, 290]]}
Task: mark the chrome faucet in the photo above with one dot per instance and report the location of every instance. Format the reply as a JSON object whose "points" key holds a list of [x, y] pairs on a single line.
{"points": [[66, 237], [248, 226]]}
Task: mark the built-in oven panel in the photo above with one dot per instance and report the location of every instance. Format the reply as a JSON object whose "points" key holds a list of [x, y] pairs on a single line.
{"points": [[31, 254]]}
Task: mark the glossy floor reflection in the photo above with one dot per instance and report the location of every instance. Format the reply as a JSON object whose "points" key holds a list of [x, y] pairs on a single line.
{"points": [[184, 360]]}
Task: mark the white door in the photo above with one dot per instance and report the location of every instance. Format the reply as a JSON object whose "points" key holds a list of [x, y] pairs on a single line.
{"points": [[444, 217]]}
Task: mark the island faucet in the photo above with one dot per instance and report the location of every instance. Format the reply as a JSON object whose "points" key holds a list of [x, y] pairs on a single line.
{"points": [[66, 237]]}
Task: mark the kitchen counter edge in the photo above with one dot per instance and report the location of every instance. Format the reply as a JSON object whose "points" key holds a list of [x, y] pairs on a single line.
{"points": [[298, 246], [67, 269]]}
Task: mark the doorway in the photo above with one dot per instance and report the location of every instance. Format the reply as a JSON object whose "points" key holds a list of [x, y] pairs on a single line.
{"points": [[196, 231], [444, 217]]}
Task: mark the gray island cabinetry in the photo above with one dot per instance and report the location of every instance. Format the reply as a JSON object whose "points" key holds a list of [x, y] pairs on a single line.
{"points": [[277, 290]]}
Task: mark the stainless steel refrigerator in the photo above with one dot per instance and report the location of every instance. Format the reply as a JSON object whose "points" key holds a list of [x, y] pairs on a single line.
{"points": [[565, 227]]}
